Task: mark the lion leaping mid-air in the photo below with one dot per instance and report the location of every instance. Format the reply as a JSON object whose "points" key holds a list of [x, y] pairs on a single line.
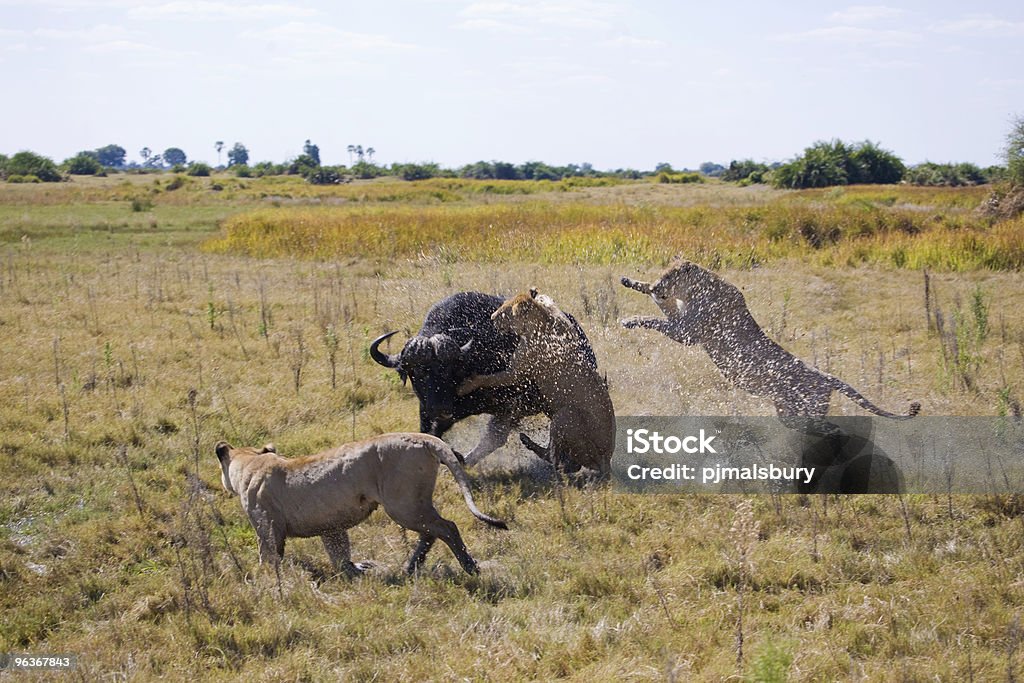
{"points": [[702, 308]]}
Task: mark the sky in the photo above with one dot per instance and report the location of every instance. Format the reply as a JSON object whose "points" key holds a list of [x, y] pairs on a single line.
{"points": [[618, 84]]}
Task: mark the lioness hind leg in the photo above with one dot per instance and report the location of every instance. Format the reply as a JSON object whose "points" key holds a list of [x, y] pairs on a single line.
{"points": [[339, 549], [431, 524], [420, 554]]}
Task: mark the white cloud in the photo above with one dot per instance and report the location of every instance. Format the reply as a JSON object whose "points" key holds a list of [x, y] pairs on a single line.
{"points": [[853, 36], [633, 42], [570, 14], [205, 10], [554, 74], [70, 5], [98, 33], [122, 46], [1003, 82], [981, 25], [492, 25], [863, 14], [308, 35]]}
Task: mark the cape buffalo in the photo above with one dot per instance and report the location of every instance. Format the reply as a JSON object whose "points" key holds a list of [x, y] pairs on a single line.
{"points": [[458, 340]]}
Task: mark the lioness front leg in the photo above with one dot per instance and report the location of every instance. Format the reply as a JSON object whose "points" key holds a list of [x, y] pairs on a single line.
{"points": [[642, 287], [269, 537], [498, 379], [671, 329], [339, 549]]}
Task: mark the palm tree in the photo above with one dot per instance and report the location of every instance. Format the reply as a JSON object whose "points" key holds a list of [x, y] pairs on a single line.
{"points": [[359, 152], [370, 151], [145, 153], [219, 145], [351, 149]]}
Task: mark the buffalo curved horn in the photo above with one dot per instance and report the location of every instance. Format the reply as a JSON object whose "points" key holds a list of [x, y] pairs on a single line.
{"points": [[387, 360], [465, 347]]}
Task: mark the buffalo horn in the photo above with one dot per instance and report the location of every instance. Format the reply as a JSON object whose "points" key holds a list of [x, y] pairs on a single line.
{"points": [[387, 360]]}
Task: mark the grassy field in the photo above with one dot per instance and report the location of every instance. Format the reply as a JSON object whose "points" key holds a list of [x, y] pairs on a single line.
{"points": [[141, 325]]}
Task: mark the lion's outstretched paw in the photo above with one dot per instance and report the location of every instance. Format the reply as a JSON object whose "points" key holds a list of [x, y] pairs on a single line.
{"points": [[632, 323]]}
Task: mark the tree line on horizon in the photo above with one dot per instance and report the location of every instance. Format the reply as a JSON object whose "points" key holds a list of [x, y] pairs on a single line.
{"points": [[823, 164]]}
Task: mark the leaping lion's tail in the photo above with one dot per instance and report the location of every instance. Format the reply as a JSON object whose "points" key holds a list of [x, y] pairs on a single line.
{"points": [[848, 391], [447, 457]]}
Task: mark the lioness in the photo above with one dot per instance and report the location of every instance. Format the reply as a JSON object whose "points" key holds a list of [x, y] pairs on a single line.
{"points": [[702, 308], [327, 493], [550, 355]]}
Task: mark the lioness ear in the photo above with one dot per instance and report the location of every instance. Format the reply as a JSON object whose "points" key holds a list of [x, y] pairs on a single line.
{"points": [[533, 292], [223, 448], [269, 448]]}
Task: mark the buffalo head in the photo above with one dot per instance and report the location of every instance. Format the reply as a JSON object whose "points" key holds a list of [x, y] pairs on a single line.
{"points": [[436, 365]]}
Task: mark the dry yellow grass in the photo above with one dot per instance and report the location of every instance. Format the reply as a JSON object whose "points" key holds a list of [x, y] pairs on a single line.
{"points": [[105, 340]]}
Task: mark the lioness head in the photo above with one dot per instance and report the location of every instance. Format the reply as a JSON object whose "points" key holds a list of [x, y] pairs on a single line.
{"points": [[527, 314], [226, 453], [686, 284]]}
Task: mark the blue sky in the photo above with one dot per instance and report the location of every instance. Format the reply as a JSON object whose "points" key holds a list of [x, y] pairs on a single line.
{"points": [[613, 83]]}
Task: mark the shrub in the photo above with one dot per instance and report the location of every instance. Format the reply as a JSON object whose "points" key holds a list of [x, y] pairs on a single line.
{"points": [[18, 178], [83, 163], [265, 168], [175, 183], [363, 169], [322, 175], [747, 169], [1015, 152], [677, 178], [825, 164], [945, 175], [415, 171], [198, 168], [30, 163], [140, 204], [872, 164], [242, 171], [302, 165]]}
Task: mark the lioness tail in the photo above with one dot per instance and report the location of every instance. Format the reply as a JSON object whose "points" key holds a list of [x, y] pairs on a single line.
{"points": [[446, 456], [845, 389]]}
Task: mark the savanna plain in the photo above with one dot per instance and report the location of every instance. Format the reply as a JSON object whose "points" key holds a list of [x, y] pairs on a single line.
{"points": [[144, 318]]}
